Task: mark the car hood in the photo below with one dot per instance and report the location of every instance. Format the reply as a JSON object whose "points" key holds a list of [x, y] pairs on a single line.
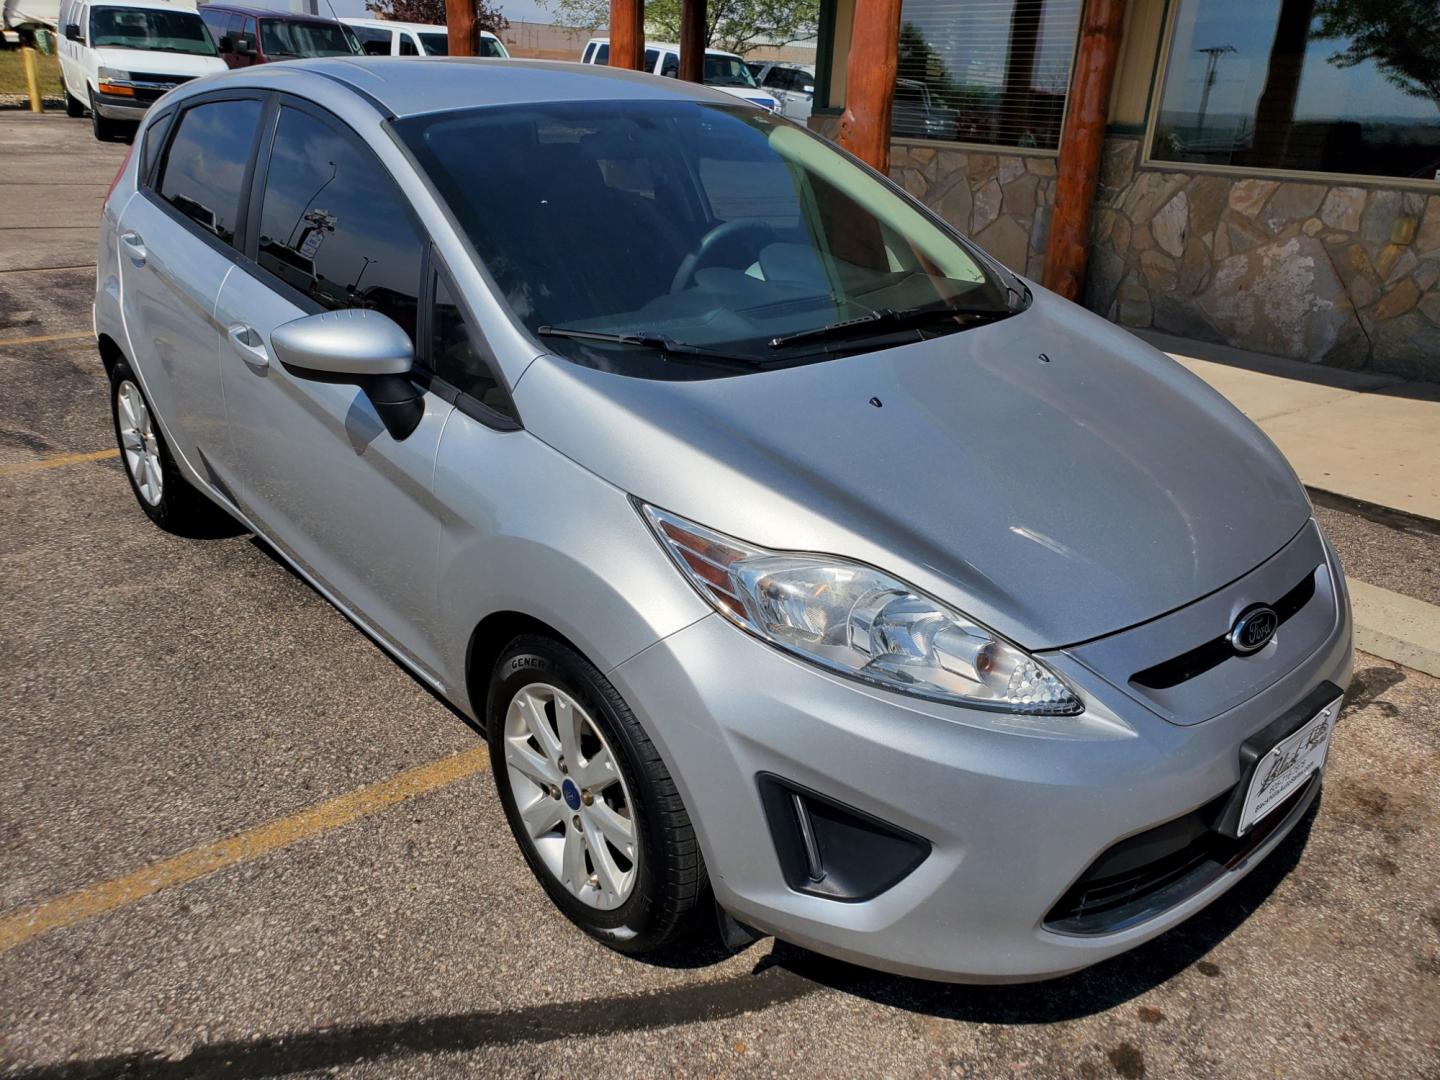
{"points": [[158, 63], [1055, 498], [745, 93]]}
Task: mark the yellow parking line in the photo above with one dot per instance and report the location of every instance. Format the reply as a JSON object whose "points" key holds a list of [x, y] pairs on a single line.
{"points": [[76, 336], [57, 461], [106, 896]]}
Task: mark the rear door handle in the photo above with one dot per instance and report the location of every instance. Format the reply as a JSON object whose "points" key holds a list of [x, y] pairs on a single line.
{"points": [[249, 344], [134, 246]]}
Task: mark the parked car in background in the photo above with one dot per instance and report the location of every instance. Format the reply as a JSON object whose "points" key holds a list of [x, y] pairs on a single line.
{"points": [[792, 84], [793, 554], [117, 57], [382, 37], [724, 71], [916, 114], [247, 35]]}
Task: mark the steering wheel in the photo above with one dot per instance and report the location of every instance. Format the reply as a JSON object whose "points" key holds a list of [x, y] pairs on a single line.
{"points": [[712, 242]]}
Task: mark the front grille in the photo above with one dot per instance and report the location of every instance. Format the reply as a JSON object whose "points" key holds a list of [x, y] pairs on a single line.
{"points": [[1144, 875], [150, 94], [1202, 658]]}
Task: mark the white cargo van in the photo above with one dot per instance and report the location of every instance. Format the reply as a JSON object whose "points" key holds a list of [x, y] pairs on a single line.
{"points": [[724, 71], [382, 37], [117, 57]]}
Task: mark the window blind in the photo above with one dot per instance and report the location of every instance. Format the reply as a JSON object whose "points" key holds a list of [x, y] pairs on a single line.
{"points": [[985, 71]]}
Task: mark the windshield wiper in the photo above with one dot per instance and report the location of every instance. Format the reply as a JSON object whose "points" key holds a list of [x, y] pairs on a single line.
{"points": [[650, 340], [883, 319]]}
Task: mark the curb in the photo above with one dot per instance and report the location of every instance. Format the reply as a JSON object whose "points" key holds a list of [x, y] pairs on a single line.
{"points": [[1395, 627]]}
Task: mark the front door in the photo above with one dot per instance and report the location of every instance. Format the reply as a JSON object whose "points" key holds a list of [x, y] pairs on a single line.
{"points": [[176, 241], [312, 463]]}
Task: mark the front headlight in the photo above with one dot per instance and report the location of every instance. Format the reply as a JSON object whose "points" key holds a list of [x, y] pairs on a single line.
{"points": [[858, 621], [114, 81]]}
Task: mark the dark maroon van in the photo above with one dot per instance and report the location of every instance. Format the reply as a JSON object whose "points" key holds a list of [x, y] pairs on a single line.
{"points": [[257, 36]]}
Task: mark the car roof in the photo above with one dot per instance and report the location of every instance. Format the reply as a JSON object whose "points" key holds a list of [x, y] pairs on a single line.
{"points": [[146, 5], [393, 24], [669, 45], [410, 85], [267, 13]]}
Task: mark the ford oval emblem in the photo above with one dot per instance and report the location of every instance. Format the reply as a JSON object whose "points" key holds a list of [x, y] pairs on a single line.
{"points": [[1253, 629]]}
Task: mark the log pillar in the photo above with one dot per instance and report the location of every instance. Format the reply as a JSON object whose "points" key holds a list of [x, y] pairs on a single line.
{"points": [[1081, 143], [460, 27], [870, 81], [692, 40], [627, 33]]}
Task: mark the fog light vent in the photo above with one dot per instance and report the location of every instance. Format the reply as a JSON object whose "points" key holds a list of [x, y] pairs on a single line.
{"points": [[832, 850]]}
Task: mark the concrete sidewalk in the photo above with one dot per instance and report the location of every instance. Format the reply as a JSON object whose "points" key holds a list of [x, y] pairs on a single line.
{"points": [[1373, 438]]}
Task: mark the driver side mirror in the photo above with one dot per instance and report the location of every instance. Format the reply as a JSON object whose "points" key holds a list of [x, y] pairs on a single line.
{"points": [[72, 31], [225, 45], [242, 47], [356, 346]]}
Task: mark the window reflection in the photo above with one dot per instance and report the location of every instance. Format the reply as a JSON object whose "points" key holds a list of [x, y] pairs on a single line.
{"points": [[984, 71], [1316, 85]]}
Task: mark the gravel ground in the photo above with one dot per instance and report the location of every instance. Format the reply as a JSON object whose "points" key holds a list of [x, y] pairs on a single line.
{"points": [[159, 693]]}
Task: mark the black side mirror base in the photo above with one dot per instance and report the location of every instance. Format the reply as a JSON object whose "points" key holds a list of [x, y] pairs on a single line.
{"points": [[397, 402]]}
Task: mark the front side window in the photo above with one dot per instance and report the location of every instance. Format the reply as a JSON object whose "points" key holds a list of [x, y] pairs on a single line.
{"points": [[718, 227], [995, 72], [651, 55], [453, 355], [1316, 85], [670, 66], [333, 226], [150, 29], [491, 47], [373, 40], [439, 44], [300, 37], [204, 170], [727, 71]]}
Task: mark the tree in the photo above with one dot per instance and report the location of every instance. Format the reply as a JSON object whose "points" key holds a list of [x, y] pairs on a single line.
{"points": [[734, 25], [488, 15], [1401, 36]]}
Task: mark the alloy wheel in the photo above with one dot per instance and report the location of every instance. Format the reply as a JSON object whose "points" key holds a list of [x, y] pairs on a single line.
{"points": [[137, 438], [568, 791]]}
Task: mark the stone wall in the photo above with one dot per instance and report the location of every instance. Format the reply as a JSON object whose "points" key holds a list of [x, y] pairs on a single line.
{"points": [[1000, 200], [1328, 272]]}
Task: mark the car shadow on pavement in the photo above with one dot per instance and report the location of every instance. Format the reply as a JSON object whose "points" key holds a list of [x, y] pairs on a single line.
{"points": [[1096, 989], [784, 975]]}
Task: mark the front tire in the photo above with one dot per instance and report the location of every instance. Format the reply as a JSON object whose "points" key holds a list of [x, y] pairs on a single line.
{"points": [[168, 499], [74, 107], [108, 130], [593, 808]]}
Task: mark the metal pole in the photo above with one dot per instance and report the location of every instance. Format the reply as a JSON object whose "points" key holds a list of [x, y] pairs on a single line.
{"points": [[32, 78]]}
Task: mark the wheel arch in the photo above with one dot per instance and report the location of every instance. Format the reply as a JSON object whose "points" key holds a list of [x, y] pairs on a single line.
{"points": [[110, 353], [488, 640]]}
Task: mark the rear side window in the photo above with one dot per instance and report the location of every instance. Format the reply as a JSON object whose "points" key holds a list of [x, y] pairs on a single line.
{"points": [[334, 226], [651, 55], [671, 67], [204, 170], [408, 46]]}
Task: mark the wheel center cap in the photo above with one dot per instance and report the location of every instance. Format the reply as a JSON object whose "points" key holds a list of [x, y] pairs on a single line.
{"points": [[571, 793]]}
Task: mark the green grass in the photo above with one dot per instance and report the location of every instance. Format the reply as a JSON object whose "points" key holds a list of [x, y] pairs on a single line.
{"points": [[12, 73]]}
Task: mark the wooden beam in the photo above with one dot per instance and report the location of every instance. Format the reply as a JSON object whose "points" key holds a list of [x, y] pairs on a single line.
{"points": [[692, 40], [460, 27], [627, 33], [1081, 143], [870, 81]]}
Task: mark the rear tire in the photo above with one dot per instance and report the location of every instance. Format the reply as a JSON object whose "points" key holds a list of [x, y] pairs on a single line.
{"points": [[168, 499], [74, 107], [661, 901]]}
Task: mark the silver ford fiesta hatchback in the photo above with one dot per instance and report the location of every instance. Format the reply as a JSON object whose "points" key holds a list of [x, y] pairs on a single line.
{"points": [[795, 557]]}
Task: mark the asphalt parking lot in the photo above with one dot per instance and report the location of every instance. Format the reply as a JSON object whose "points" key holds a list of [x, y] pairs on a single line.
{"points": [[239, 841]]}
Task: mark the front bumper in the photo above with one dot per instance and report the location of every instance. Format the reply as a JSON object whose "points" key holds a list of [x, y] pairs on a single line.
{"points": [[112, 107], [1015, 809]]}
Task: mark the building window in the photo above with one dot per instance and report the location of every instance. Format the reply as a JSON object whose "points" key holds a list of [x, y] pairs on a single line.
{"points": [[984, 71], [1336, 86]]}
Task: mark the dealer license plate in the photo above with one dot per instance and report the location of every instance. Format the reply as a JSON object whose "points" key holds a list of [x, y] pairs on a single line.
{"points": [[1287, 765]]}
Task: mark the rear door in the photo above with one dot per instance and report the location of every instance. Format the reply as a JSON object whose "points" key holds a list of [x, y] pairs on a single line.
{"points": [[177, 244], [312, 462]]}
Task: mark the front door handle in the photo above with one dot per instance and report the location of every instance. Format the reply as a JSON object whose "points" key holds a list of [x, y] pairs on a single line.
{"points": [[249, 344], [134, 246]]}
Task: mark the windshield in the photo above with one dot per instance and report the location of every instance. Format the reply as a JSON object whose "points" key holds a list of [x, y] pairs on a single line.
{"points": [[727, 71], [142, 28], [717, 227], [302, 37]]}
